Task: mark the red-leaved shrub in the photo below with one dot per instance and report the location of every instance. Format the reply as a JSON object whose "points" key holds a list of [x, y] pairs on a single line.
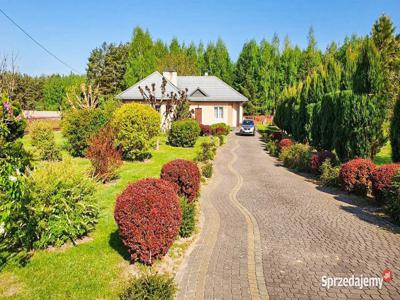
{"points": [[205, 130], [148, 217], [381, 179], [185, 174], [318, 158], [276, 136], [103, 155], [355, 175], [284, 143]]}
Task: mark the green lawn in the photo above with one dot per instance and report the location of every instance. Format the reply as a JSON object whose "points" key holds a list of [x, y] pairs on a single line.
{"points": [[94, 269], [384, 156]]}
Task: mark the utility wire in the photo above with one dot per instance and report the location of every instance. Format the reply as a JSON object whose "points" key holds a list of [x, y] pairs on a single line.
{"points": [[39, 44]]}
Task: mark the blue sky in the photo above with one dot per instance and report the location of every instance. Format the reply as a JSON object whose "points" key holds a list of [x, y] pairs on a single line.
{"points": [[71, 29]]}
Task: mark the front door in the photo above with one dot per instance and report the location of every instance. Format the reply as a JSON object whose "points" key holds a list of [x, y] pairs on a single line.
{"points": [[198, 115]]}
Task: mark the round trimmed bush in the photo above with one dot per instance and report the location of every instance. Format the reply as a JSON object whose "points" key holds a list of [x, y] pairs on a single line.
{"points": [[393, 198], [355, 175], [185, 174], [148, 217], [137, 127], [184, 133], [318, 158], [285, 143], [205, 130], [381, 179]]}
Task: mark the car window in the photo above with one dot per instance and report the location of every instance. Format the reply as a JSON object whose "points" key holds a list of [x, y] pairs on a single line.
{"points": [[248, 122]]}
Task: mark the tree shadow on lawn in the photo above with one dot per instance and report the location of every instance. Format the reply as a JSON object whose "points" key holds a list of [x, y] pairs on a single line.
{"points": [[116, 243], [366, 209]]}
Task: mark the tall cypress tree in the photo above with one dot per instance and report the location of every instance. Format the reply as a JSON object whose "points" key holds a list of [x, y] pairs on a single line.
{"points": [[217, 61], [247, 76], [383, 36], [395, 132], [311, 56]]}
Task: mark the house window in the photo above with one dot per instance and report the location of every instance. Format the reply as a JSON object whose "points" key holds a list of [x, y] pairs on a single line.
{"points": [[219, 113]]}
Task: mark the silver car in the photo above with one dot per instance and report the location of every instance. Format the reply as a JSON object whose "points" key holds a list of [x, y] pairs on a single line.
{"points": [[248, 128]]}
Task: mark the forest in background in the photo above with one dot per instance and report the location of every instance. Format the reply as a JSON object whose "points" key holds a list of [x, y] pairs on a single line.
{"points": [[263, 72]]}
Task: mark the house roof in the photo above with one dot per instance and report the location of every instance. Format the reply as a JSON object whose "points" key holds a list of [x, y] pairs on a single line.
{"points": [[200, 88]]}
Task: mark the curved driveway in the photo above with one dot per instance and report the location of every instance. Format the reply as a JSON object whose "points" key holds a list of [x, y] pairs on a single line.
{"points": [[270, 233]]}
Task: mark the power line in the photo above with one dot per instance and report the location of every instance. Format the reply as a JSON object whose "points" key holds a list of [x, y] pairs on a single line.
{"points": [[39, 44]]}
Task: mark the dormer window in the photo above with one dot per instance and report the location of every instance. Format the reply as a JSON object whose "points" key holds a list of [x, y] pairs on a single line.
{"points": [[198, 93]]}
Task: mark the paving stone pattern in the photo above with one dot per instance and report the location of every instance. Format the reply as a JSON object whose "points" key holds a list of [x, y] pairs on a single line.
{"points": [[269, 233]]}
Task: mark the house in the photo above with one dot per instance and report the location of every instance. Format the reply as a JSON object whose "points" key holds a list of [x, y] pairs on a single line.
{"points": [[211, 99]]}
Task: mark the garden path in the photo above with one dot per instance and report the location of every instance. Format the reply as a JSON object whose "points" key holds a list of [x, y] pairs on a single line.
{"points": [[269, 233]]}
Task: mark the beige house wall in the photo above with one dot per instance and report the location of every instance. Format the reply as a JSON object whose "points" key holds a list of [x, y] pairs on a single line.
{"points": [[232, 112]]}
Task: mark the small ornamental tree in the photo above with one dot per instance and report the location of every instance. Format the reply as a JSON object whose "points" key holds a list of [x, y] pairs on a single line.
{"points": [[44, 141], [103, 155], [137, 127], [381, 179], [355, 175], [149, 218], [185, 174]]}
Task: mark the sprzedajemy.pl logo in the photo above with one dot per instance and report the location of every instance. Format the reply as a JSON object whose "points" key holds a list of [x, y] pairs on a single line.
{"points": [[357, 281]]}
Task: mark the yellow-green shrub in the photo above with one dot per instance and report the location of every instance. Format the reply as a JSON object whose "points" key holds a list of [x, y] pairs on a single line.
{"points": [[137, 127]]}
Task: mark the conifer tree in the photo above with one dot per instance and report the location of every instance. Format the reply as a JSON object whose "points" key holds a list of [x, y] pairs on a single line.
{"points": [[142, 60]]}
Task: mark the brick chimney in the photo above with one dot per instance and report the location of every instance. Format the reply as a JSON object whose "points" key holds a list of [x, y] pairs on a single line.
{"points": [[171, 75]]}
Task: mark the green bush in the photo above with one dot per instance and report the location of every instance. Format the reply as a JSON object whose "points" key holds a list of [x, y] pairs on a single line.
{"points": [[207, 170], [61, 203], [150, 287], [184, 133], [137, 127], [221, 139], [79, 125], [296, 157], [188, 218], [272, 148], [207, 151], [42, 137], [393, 198], [330, 174], [220, 129]]}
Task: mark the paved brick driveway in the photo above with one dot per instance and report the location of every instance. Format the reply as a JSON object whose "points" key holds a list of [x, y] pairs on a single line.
{"points": [[265, 226]]}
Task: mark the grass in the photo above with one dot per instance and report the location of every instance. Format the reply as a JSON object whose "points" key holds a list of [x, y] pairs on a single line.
{"points": [[384, 156], [93, 269]]}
